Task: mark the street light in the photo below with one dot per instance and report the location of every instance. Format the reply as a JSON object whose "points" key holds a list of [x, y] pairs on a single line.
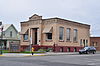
{"points": [[1, 31]]}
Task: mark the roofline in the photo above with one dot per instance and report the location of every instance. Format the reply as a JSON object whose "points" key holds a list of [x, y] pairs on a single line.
{"points": [[13, 26], [67, 20], [95, 37], [24, 22], [61, 19]]}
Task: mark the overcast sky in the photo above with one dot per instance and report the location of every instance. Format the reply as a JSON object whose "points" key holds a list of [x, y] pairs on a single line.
{"points": [[83, 11]]}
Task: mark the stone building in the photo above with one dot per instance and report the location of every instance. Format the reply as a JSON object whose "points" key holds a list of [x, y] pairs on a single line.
{"points": [[60, 34], [95, 41]]}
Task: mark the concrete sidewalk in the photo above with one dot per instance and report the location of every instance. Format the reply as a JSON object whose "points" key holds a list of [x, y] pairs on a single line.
{"points": [[41, 54], [20, 54]]}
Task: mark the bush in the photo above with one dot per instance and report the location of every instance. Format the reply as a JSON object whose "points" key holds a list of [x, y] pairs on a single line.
{"points": [[45, 50], [49, 50], [42, 50]]}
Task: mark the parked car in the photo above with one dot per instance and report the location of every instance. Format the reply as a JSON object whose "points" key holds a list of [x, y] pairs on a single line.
{"points": [[87, 50]]}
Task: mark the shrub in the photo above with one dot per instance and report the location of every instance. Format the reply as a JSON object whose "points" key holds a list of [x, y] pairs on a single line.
{"points": [[49, 50], [42, 50]]}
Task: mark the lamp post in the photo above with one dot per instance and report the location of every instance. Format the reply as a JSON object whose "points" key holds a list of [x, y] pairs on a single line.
{"points": [[1, 31]]}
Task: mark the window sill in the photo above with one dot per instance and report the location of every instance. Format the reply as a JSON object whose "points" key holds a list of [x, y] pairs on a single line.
{"points": [[48, 40], [68, 41], [61, 40], [75, 41], [25, 40]]}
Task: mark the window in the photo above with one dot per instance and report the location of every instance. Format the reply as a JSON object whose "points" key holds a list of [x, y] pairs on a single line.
{"points": [[10, 33], [68, 34], [61, 32], [49, 36], [75, 35], [86, 42], [95, 44], [25, 36], [81, 42], [92, 43], [3, 33]]}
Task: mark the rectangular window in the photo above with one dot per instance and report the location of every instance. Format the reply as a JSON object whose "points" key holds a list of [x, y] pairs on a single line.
{"points": [[49, 36], [3, 33], [25, 36], [10, 33], [92, 43], [96, 44], [81, 42], [86, 42], [75, 35], [68, 34], [61, 33]]}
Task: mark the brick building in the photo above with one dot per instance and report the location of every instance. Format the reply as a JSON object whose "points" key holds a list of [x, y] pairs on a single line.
{"points": [[60, 34], [95, 41]]}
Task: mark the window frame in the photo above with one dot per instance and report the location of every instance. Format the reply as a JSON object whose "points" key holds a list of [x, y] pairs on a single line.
{"points": [[47, 36], [10, 33], [86, 42], [68, 34], [81, 41], [61, 33], [75, 37], [24, 37]]}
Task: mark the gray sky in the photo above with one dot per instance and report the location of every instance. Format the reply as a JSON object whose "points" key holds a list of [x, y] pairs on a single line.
{"points": [[83, 11]]}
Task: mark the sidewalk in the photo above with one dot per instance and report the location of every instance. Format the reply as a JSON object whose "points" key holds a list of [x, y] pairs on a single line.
{"points": [[20, 55], [41, 54], [61, 53]]}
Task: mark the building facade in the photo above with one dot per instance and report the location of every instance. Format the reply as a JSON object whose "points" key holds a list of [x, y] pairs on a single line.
{"points": [[60, 34], [9, 34], [95, 41]]}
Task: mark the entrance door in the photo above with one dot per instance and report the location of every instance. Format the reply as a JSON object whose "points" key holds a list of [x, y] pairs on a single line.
{"points": [[34, 36]]}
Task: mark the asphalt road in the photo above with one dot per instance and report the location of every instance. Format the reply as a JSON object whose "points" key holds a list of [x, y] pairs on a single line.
{"points": [[60, 60]]}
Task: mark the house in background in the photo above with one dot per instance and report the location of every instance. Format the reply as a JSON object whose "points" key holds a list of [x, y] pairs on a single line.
{"points": [[0, 23], [60, 34], [95, 41], [10, 34]]}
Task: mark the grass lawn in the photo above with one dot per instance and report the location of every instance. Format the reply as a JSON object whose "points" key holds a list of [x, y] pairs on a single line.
{"points": [[7, 51], [30, 52]]}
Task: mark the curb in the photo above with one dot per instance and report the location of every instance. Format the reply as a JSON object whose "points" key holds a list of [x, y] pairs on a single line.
{"points": [[48, 54], [33, 55], [1, 55]]}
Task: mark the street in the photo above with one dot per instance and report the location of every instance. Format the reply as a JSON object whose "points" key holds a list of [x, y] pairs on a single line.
{"points": [[58, 60]]}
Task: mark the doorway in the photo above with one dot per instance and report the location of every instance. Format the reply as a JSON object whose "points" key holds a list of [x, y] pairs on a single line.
{"points": [[34, 36]]}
